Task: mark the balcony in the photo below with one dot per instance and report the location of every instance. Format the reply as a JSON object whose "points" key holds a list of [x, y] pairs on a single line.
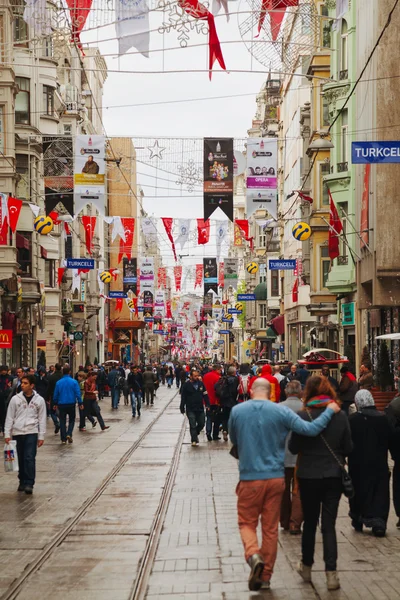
{"points": [[71, 97], [342, 167], [342, 260], [343, 74]]}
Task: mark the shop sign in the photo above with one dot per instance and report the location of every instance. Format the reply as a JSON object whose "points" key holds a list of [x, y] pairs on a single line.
{"points": [[80, 263], [292, 315], [246, 297], [282, 265], [117, 295], [375, 152], [348, 316], [6, 338]]}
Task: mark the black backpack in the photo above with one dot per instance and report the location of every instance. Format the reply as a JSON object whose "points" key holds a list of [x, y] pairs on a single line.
{"points": [[120, 382], [222, 389]]}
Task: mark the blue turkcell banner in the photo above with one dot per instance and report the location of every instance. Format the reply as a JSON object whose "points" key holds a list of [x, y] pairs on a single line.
{"points": [[80, 263], [224, 331], [246, 297], [117, 294], [234, 311], [285, 264], [375, 152]]}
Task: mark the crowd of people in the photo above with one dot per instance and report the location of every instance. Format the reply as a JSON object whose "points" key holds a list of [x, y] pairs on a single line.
{"points": [[292, 440]]}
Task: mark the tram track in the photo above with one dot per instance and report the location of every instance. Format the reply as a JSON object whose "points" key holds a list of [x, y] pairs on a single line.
{"points": [[138, 591]]}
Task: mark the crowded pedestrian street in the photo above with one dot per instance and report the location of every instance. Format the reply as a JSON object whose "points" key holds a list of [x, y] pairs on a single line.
{"points": [[137, 512]]}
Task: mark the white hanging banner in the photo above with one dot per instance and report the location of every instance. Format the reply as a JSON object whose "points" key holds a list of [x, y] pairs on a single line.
{"points": [[221, 232], [132, 26], [183, 232], [4, 208], [149, 229], [118, 229], [159, 304], [38, 17], [76, 280], [89, 172], [261, 177], [35, 209]]}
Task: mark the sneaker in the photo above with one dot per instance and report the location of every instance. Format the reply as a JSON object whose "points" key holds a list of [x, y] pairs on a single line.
{"points": [[69, 439], [21, 488], [209, 437], [63, 442], [256, 565], [378, 532], [106, 427], [138, 413], [80, 429], [225, 436], [266, 585], [332, 580], [194, 444], [57, 429], [28, 489], [94, 424], [304, 572]]}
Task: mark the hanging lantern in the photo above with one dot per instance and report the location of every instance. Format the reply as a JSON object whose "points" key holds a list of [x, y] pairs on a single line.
{"points": [[43, 225], [105, 276], [252, 268], [301, 231]]}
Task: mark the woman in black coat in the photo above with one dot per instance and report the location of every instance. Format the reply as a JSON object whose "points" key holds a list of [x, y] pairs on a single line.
{"points": [[320, 477], [368, 465]]}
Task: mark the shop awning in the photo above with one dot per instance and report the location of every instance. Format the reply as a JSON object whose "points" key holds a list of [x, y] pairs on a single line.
{"points": [[261, 291], [270, 334], [278, 324], [43, 252], [22, 242]]}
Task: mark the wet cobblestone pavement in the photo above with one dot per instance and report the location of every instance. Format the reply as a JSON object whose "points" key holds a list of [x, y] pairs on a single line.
{"points": [[88, 532]]}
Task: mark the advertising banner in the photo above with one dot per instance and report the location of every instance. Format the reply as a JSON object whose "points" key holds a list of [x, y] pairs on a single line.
{"points": [[147, 270], [58, 169], [364, 220], [89, 172], [6, 338], [262, 178], [230, 273], [375, 152], [210, 275], [217, 308], [218, 176], [159, 305], [129, 275]]}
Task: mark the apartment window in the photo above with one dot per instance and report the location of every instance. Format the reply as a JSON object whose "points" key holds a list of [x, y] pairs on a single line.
{"points": [[343, 211], [344, 50], [325, 265], [24, 253], [344, 127], [48, 47], [306, 18], [324, 169], [49, 273], [20, 31], [67, 128], [263, 274], [2, 132], [262, 311], [324, 116], [68, 247], [325, 27], [23, 187], [48, 100], [261, 237], [274, 283], [22, 101]]}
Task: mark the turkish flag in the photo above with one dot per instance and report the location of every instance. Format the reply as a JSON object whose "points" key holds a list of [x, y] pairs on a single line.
{"points": [[335, 228], [118, 304], [168, 312], [168, 224], [14, 209], [79, 12], [89, 224], [125, 247], [199, 276], [221, 275], [178, 278], [276, 10], [203, 231], [243, 225], [60, 274], [295, 291], [54, 216]]}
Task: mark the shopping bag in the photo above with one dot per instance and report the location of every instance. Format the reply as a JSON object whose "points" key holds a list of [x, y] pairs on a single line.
{"points": [[10, 457]]}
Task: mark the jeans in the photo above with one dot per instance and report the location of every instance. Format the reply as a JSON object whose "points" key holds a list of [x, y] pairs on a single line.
{"points": [[314, 493], [196, 424], [27, 448], [136, 402], [149, 394], [63, 411], [213, 421], [169, 381], [291, 511], [114, 397], [260, 498], [86, 413], [94, 409], [54, 418], [225, 414]]}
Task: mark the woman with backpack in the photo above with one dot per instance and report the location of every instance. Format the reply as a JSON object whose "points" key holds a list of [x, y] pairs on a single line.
{"points": [[244, 381]]}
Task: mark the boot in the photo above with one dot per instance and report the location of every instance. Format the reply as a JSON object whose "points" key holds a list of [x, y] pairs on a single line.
{"points": [[332, 580], [256, 565], [304, 571]]}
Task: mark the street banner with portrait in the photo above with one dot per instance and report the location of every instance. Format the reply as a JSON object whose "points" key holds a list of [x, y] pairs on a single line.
{"points": [[89, 172], [230, 273], [58, 171], [210, 275], [218, 176], [261, 176], [129, 275]]}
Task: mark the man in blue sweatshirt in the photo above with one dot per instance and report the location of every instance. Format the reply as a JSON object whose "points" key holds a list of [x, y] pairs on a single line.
{"points": [[66, 394], [259, 429]]}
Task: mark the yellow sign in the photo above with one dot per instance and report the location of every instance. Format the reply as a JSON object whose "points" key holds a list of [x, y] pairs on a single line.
{"points": [[301, 231], [249, 345]]}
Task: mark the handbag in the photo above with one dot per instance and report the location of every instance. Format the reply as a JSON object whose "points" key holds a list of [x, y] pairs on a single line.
{"points": [[234, 452], [347, 484], [11, 457]]}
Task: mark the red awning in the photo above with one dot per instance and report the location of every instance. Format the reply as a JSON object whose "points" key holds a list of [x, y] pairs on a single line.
{"points": [[278, 323], [43, 252], [41, 343], [22, 242]]}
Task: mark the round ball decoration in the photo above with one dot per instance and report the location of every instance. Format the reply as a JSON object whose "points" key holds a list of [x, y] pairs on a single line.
{"points": [[105, 276], [301, 231], [228, 316], [239, 306], [252, 268], [43, 225]]}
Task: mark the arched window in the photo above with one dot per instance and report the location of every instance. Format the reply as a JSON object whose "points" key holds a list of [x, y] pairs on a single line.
{"points": [[344, 51]]}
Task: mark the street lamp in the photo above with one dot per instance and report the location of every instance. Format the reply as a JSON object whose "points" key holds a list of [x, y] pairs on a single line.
{"points": [[320, 144]]}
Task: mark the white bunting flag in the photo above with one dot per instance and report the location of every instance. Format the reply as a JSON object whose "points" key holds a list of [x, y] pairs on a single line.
{"points": [[149, 229], [38, 17], [118, 229], [35, 209], [76, 280], [221, 232], [132, 25], [183, 232], [217, 5]]}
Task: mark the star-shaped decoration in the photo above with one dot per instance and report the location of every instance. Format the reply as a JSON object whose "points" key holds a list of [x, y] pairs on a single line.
{"points": [[156, 150]]}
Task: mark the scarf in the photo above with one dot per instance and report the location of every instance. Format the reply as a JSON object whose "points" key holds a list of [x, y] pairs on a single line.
{"points": [[319, 402], [364, 399]]}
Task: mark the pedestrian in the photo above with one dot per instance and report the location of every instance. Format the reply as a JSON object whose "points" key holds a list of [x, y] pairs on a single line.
{"points": [[244, 382], [115, 379], [53, 378], [91, 406], [258, 429], [86, 413], [302, 374], [178, 370], [277, 373], [227, 396], [26, 423], [393, 414], [320, 477], [163, 373], [368, 465], [5, 386], [101, 382], [184, 375], [170, 376], [348, 388], [16, 383], [66, 394], [333, 382], [291, 511], [366, 379], [193, 397], [266, 373], [213, 410], [135, 383], [41, 383], [149, 380]]}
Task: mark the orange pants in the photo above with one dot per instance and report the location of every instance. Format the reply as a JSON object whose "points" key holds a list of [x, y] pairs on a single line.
{"points": [[260, 498]]}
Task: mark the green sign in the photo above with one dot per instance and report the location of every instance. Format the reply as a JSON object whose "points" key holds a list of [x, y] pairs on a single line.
{"points": [[348, 317], [78, 336]]}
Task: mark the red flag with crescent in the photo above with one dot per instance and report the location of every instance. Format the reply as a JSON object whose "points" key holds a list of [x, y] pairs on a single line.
{"points": [[125, 247], [203, 231], [14, 209], [89, 224]]}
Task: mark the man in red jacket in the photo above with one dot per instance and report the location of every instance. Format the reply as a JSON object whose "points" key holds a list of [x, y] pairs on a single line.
{"points": [[266, 373], [213, 410]]}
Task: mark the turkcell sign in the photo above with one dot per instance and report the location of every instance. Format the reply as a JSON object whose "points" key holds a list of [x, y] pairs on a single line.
{"points": [[225, 320], [246, 297], [148, 320], [234, 311], [288, 264], [80, 263], [159, 331], [220, 342], [117, 295], [375, 152], [224, 332]]}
